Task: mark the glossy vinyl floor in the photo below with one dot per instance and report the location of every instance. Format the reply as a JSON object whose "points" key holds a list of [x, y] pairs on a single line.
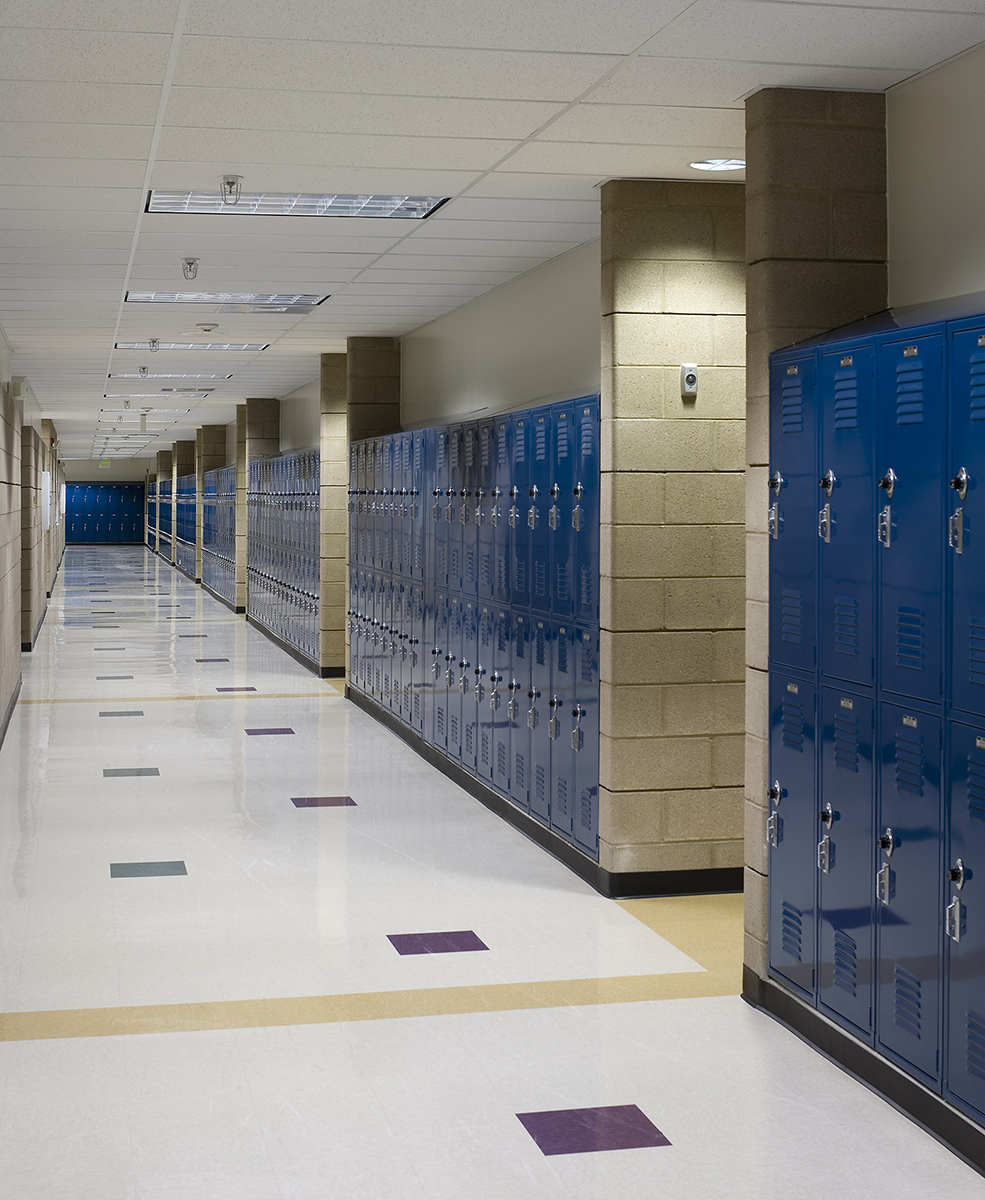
{"points": [[251, 946]]}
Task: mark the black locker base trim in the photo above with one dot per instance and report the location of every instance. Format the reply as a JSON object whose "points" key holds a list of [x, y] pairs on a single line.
{"points": [[612, 884], [238, 609], [12, 704], [928, 1110], [293, 651]]}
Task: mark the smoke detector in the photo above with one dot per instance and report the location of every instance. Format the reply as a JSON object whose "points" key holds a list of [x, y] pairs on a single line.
{"points": [[208, 326]]}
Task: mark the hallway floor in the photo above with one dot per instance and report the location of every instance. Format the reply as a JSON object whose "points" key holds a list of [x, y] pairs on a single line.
{"points": [[252, 947]]}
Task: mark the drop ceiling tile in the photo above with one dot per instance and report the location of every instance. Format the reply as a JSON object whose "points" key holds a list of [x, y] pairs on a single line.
{"points": [[275, 235], [851, 37], [33, 139], [514, 264], [301, 157], [649, 124], [69, 223], [212, 278], [80, 103], [510, 184], [346, 180], [149, 16], [477, 208], [394, 70], [87, 56], [427, 273], [574, 26], [515, 231], [101, 201], [13, 250], [653, 162], [259, 261], [74, 275], [341, 112], [71, 173]]}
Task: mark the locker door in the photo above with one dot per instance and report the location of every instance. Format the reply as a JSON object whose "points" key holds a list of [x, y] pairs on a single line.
{"points": [[454, 504], [562, 503], [793, 513], [846, 857], [467, 683], [562, 702], [353, 504], [379, 548], [584, 740], [375, 593], [385, 590], [387, 502], [499, 510], [846, 517], [518, 495], [539, 502], [586, 514], [418, 661], [792, 831], [470, 501], [910, 441], [361, 556], [454, 674], [909, 889], [442, 671], [965, 919], [538, 716], [407, 506], [419, 508], [518, 687], [484, 503], [966, 473], [398, 650], [440, 524], [485, 669], [499, 698]]}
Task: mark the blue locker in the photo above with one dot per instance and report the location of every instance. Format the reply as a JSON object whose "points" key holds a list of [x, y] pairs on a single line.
{"points": [[539, 503], [467, 683], [966, 518], [416, 673], [584, 740], [559, 515], [396, 647], [421, 445], [521, 481], [539, 714], [793, 512], [457, 667], [517, 707], [846, 516], [442, 670], [499, 508], [910, 449], [454, 503], [483, 674], [964, 922], [374, 674], [586, 514], [792, 826], [469, 506], [363, 556], [485, 502], [441, 507], [846, 858], [376, 508], [499, 696], [564, 696], [386, 503], [908, 889]]}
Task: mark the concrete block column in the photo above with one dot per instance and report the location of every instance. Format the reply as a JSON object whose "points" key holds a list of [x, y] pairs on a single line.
{"points": [[11, 417], [334, 450], [673, 292], [210, 455], [816, 253], [372, 386]]}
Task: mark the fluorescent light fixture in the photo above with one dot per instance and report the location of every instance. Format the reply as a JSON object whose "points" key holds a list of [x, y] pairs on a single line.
{"points": [[254, 346], [137, 375], [295, 204], [719, 164], [264, 298], [137, 412]]}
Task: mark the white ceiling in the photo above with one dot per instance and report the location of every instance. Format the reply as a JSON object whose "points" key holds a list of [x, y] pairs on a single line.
{"points": [[516, 110]]}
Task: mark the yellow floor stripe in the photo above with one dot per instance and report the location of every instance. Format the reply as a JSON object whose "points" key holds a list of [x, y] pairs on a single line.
{"points": [[330, 688], [707, 928]]}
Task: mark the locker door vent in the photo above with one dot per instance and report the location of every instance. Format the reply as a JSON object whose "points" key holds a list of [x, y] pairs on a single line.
{"points": [[540, 648], [908, 1001], [587, 664], [485, 572], [792, 933], [561, 656], [418, 454], [792, 616], [417, 708], [520, 574], [501, 448], [909, 638], [587, 587], [442, 451], [470, 570], [561, 795], [540, 785], [586, 808], [792, 724], [441, 559], [792, 405], [456, 563], [439, 721], [976, 787], [484, 446], [846, 625], [587, 437], [909, 764], [470, 739], [501, 764], [500, 573], [909, 393], [846, 399], [561, 583], [540, 442], [975, 1058], [846, 744], [977, 391], [484, 748], [540, 578], [453, 730], [456, 451], [562, 443], [518, 773], [976, 651], [845, 964], [469, 451]]}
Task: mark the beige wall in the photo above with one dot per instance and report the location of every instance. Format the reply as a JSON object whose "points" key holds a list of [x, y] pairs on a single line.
{"points": [[10, 551], [936, 183], [673, 292], [120, 470], [534, 338], [300, 418]]}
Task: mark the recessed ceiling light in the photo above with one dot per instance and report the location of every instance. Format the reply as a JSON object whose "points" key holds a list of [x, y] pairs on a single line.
{"points": [[294, 204], [137, 375], [719, 164], [265, 298], [254, 346]]}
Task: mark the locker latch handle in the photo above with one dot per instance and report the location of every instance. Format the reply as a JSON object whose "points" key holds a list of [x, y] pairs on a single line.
{"points": [[824, 855], [824, 524], [576, 518], [953, 920], [884, 526], [960, 482], [955, 530], [956, 874], [552, 516], [577, 734], [887, 842], [888, 483]]}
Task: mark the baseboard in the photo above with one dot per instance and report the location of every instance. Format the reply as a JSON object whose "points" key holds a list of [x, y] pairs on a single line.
{"points": [[613, 884], [332, 672], [925, 1108], [11, 705]]}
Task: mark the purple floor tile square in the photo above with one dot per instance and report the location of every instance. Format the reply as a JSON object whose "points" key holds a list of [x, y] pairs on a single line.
{"points": [[436, 943], [212, 660], [586, 1130], [266, 732], [236, 689], [323, 802]]}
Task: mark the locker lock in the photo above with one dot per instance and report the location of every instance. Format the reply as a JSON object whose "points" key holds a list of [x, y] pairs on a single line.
{"points": [[960, 482], [888, 483], [514, 492], [775, 792], [826, 816], [956, 875], [828, 481], [578, 491], [533, 492], [555, 491], [436, 492], [887, 842], [776, 482], [496, 493]]}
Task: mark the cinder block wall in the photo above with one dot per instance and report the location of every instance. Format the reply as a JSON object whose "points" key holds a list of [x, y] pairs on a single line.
{"points": [[10, 553], [334, 449], [210, 455], [373, 386], [816, 245], [34, 584], [673, 292]]}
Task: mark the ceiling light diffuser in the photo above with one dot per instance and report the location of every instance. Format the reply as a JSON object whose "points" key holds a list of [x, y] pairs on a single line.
{"points": [[265, 298], [295, 204], [255, 346], [719, 164], [144, 375]]}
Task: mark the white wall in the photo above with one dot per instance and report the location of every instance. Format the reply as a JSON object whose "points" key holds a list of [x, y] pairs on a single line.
{"points": [[937, 182], [300, 418], [120, 470], [536, 337]]}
